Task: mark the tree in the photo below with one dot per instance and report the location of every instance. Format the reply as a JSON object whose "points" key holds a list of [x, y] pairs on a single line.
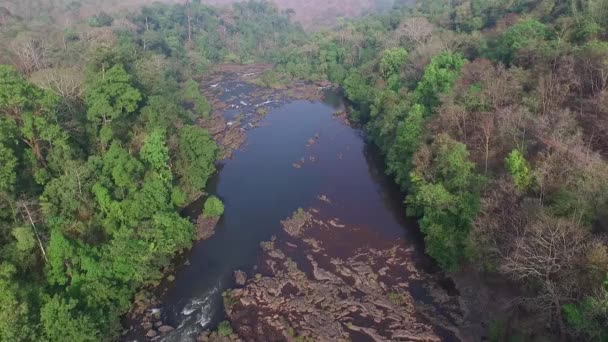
{"points": [[446, 194], [408, 139], [521, 42], [548, 254], [213, 207], [193, 95], [520, 170], [196, 154], [110, 96], [30, 117], [439, 77], [61, 321], [8, 164], [416, 30], [156, 153], [16, 314], [391, 62], [100, 20]]}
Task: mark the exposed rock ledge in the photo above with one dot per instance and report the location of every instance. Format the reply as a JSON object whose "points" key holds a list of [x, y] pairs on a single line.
{"points": [[324, 298]]}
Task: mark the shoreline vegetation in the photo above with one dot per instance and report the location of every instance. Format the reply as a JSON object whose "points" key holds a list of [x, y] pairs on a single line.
{"points": [[492, 117]]}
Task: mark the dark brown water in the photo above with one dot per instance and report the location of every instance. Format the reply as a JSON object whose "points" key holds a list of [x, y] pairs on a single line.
{"points": [[260, 187]]}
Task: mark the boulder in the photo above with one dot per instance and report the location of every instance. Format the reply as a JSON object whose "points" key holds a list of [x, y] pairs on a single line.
{"points": [[164, 329], [240, 278]]}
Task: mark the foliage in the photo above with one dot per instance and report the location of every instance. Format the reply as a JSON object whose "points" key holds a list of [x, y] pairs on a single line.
{"points": [[391, 63], [520, 170], [447, 197], [526, 35], [213, 207], [193, 95], [111, 95], [439, 77], [196, 154], [409, 135], [101, 19], [224, 329], [102, 175], [589, 317]]}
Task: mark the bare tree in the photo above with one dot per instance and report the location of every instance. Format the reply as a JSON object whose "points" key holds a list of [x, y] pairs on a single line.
{"points": [[416, 30], [65, 82], [548, 253], [555, 85], [30, 53]]}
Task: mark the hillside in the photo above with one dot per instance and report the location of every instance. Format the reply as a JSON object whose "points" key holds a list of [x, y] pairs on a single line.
{"points": [[310, 13]]}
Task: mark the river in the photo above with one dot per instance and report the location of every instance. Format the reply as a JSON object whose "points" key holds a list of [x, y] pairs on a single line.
{"points": [[298, 153]]}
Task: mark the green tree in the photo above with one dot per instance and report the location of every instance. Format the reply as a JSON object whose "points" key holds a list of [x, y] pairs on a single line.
{"points": [[408, 139], [195, 161], [526, 36], [109, 97], [438, 78], [16, 314], [8, 164], [29, 115], [62, 322], [192, 95], [213, 207], [520, 170], [447, 197], [156, 153], [392, 61]]}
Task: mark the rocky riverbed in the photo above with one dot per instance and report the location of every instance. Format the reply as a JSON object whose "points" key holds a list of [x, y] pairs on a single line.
{"points": [[309, 287], [349, 267]]}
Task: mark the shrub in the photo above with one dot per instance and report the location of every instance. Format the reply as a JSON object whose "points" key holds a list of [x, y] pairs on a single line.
{"points": [[213, 207]]}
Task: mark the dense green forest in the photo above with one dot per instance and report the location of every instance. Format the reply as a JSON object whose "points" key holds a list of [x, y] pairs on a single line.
{"points": [[99, 150], [492, 116]]}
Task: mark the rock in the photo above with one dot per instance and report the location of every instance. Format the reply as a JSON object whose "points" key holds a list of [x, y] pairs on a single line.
{"points": [[205, 227], [246, 301], [151, 333], [155, 313], [146, 325], [158, 324], [171, 278], [325, 293], [240, 278], [164, 329]]}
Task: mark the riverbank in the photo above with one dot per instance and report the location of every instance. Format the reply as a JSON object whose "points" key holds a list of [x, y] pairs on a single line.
{"points": [[323, 280], [238, 107], [349, 267]]}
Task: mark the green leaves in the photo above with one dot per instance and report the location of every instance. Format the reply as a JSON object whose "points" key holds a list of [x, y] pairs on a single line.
{"points": [[196, 154], [447, 196], [408, 139], [110, 95], [390, 65], [61, 322], [192, 95], [520, 170], [8, 164], [156, 153], [439, 77], [213, 207], [527, 35]]}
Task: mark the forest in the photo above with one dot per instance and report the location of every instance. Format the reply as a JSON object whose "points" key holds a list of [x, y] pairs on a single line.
{"points": [[492, 116]]}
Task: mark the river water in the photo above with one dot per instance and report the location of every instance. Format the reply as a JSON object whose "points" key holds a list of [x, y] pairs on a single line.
{"points": [[298, 153]]}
